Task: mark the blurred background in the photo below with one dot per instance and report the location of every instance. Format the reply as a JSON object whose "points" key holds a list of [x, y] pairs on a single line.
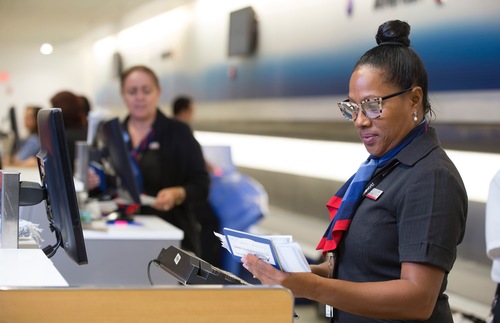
{"points": [[266, 76]]}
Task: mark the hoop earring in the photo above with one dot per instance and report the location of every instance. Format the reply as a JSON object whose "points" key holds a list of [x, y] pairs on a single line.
{"points": [[415, 116]]}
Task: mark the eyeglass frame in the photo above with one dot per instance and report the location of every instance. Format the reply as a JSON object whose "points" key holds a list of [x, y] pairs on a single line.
{"points": [[359, 106]]}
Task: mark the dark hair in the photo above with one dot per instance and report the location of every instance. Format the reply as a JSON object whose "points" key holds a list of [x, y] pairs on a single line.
{"points": [[402, 65], [142, 68], [181, 103], [85, 104], [72, 110]]}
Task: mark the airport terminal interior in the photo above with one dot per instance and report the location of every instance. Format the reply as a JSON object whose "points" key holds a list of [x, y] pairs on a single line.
{"points": [[264, 77]]}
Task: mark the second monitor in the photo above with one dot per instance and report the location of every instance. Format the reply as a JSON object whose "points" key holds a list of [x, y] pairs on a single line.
{"points": [[117, 163]]}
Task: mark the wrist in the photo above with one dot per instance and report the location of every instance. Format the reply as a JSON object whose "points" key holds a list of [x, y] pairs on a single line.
{"points": [[180, 196]]}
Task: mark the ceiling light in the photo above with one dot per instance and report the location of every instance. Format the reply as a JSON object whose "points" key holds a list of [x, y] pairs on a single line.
{"points": [[46, 49]]}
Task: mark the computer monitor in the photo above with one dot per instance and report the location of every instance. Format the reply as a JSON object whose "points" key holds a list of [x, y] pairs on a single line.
{"points": [[117, 162], [57, 180], [15, 132]]}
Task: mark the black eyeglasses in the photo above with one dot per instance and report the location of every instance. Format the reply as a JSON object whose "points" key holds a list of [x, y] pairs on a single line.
{"points": [[371, 108]]}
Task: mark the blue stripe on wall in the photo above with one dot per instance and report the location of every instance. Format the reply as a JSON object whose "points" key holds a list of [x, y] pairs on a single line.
{"points": [[457, 59], [461, 57]]}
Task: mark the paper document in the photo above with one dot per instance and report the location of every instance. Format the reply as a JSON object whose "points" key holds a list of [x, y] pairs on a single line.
{"points": [[147, 199], [277, 250]]}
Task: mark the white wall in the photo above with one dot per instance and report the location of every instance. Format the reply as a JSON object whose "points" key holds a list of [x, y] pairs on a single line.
{"points": [[195, 33], [35, 77]]}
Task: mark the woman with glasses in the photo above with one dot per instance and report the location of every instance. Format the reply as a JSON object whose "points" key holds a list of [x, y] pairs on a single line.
{"points": [[397, 222]]}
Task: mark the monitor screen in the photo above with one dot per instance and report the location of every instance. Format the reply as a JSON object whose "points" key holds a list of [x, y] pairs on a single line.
{"points": [[57, 179], [242, 32], [15, 131], [117, 160]]}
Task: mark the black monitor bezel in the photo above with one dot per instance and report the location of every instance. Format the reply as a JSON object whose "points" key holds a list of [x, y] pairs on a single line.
{"points": [[57, 178], [110, 138], [15, 131]]}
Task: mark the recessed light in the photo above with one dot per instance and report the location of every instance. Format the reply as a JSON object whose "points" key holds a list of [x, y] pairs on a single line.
{"points": [[46, 49]]}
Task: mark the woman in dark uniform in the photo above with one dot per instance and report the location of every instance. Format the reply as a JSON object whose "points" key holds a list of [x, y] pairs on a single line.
{"points": [[169, 157], [397, 222]]}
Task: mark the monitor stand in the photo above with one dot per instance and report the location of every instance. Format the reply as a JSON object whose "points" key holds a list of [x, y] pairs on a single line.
{"points": [[9, 210], [13, 194]]}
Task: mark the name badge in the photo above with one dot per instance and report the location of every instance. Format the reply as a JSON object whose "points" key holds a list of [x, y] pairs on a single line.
{"points": [[374, 194], [154, 145]]}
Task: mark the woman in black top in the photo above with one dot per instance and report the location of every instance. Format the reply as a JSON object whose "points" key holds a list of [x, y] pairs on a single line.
{"points": [[169, 157]]}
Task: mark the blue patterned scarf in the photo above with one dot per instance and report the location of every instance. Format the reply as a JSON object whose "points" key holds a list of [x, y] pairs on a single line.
{"points": [[342, 206]]}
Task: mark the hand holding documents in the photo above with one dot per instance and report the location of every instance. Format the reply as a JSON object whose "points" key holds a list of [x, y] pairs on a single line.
{"points": [[279, 251]]}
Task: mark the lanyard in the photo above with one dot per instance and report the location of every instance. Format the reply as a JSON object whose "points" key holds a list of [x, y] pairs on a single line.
{"points": [[383, 173], [331, 256]]}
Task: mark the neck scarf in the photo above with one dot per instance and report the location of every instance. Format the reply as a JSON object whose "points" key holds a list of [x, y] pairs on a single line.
{"points": [[137, 153], [343, 205]]}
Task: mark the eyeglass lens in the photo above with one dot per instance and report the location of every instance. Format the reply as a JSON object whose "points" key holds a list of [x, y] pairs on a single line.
{"points": [[371, 108]]}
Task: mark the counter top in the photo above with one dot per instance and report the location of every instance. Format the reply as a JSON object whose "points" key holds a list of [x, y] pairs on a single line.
{"points": [[28, 268]]}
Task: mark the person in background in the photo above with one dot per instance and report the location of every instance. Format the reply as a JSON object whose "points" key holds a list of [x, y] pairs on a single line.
{"points": [[183, 110], [397, 222], [73, 117], [26, 155], [85, 103], [493, 240], [169, 157]]}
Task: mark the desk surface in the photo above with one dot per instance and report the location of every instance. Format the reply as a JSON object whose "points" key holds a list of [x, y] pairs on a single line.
{"points": [[28, 267], [120, 255], [25, 173], [145, 227]]}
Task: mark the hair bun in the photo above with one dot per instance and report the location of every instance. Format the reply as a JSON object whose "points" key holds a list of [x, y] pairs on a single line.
{"points": [[393, 32]]}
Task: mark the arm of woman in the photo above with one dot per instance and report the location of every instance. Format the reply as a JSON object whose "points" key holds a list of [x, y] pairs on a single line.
{"points": [[413, 296], [169, 197]]}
